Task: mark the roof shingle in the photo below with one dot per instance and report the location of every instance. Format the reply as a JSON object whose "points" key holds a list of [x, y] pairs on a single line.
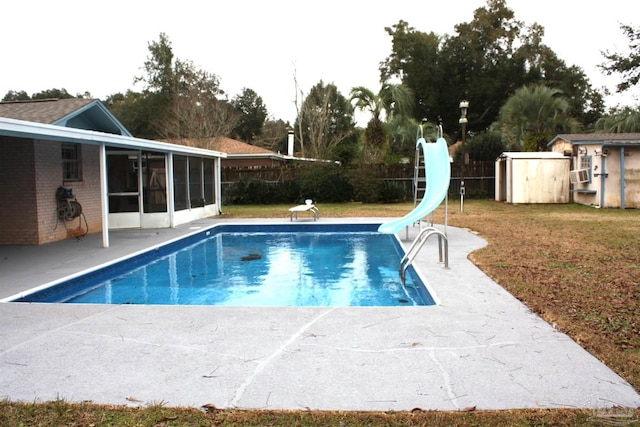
{"points": [[222, 144], [46, 111], [600, 137]]}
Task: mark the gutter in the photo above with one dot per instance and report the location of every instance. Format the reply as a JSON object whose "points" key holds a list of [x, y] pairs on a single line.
{"points": [[25, 129]]}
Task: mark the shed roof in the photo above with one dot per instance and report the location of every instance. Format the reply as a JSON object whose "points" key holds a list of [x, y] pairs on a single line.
{"points": [[598, 138], [531, 155]]}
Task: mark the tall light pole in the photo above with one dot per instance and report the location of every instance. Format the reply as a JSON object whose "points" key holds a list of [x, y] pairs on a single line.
{"points": [[464, 105]]}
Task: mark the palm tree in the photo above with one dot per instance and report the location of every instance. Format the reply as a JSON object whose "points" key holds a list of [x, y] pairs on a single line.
{"points": [[533, 115], [393, 100], [619, 121]]}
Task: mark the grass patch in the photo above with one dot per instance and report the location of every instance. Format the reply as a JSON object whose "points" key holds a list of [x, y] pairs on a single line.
{"points": [[60, 413]]}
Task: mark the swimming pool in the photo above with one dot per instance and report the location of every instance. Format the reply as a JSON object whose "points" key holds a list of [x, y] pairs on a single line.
{"points": [[255, 265]]}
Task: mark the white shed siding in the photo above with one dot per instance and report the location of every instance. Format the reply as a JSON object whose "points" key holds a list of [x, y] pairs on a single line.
{"points": [[532, 178]]}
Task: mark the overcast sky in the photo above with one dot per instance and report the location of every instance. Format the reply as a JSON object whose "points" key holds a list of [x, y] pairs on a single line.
{"points": [[99, 47]]}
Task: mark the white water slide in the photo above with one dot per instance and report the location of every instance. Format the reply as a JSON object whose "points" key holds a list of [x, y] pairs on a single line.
{"points": [[438, 174]]}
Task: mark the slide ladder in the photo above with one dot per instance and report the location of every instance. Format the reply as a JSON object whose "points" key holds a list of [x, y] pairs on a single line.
{"points": [[419, 179]]}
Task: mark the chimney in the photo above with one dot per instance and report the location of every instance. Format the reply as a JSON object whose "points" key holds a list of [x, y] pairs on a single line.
{"points": [[290, 144]]}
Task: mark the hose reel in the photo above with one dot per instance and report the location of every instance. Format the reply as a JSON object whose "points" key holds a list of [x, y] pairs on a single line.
{"points": [[68, 209]]}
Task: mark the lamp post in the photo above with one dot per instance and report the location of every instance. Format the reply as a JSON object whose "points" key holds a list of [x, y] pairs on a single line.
{"points": [[464, 105]]}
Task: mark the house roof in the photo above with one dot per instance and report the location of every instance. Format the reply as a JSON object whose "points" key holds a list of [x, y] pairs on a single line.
{"points": [[598, 138], [79, 113], [43, 131], [233, 148], [453, 148]]}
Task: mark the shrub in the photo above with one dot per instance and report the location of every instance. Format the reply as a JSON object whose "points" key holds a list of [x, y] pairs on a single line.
{"points": [[326, 182], [391, 192]]}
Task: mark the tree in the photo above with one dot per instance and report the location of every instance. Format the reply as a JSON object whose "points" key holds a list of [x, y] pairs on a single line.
{"points": [[586, 104], [533, 115], [274, 136], [325, 119], [138, 112], [14, 95], [392, 104], [626, 64], [253, 114], [141, 112], [178, 100], [195, 110], [621, 120], [416, 61], [160, 77], [485, 146], [484, 62], [55, 93]]}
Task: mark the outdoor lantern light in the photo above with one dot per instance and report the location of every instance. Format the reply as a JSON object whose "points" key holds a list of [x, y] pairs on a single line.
{"points": [[464, 105]]}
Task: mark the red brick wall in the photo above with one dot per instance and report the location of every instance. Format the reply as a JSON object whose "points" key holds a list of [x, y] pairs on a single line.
{"points": [[87, 192], [18, 218], [48, 166], [30, 174]]}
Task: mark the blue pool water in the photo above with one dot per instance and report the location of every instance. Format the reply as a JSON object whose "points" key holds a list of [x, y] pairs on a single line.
{"points": [[250, 265]]}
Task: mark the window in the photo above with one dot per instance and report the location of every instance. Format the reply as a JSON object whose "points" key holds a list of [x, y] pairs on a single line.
{"points": [[71, 162], [209, 182], [193, 179], [585, 163], [154, 182], [180, 189], [195, 182]]}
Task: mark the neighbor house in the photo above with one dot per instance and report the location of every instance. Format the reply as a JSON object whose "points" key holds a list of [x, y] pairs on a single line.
{"points": [[113, 179], [605, 168], [238, 154]]}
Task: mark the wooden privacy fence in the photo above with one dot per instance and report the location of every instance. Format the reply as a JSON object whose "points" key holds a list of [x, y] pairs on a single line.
{"points": [[478, 176]]}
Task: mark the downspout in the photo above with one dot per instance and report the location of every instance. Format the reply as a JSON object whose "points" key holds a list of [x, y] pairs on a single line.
{"points": [[104, 199], [622, 179]]}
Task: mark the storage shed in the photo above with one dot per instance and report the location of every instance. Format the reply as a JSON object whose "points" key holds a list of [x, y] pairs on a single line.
{"points": [[606, 168], [541, 177]]}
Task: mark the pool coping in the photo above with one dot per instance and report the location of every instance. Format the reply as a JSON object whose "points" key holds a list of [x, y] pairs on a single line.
{"points": [[480, 347]]}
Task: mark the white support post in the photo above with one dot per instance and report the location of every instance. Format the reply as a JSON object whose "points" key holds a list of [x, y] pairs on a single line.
{"points": [[104, 197], [170, 190]]}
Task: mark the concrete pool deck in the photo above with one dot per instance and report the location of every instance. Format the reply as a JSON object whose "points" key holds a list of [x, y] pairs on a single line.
{"points": [[480, 347]]}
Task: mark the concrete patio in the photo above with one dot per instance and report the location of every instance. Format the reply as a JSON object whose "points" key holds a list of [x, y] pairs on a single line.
{"points": [[479, 347]]}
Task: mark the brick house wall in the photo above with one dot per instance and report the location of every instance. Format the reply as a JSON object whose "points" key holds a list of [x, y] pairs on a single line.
{"points": [[17, 185], [30, 174], [48, 160]]}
